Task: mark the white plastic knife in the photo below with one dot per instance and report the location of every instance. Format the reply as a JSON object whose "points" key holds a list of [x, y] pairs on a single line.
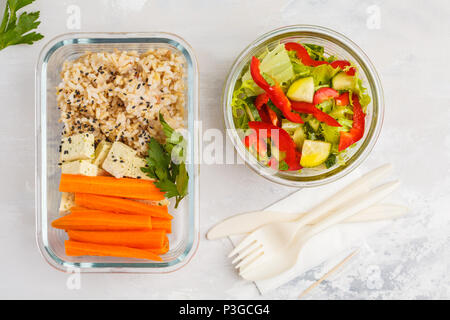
{"points": [[248, 222]]}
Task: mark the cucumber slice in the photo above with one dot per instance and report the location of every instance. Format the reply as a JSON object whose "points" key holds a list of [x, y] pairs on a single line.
{"points": [[314, 123], [302, 90], [289, 126], [331, 134], [343, 81], [314, 153], [299, 137], [340, 112]]}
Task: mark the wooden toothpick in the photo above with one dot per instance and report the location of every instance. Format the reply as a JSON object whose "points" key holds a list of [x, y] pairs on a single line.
{"points": [[329, 273]]}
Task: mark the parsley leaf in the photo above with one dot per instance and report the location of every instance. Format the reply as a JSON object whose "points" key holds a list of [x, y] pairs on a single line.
{"points": [[166, 163], [182, 180], [331, 160], [15, 30], [158, 160], [168, 187]]}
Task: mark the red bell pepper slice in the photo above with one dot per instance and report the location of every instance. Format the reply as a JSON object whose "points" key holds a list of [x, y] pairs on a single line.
{"points": [[357, 131], [292, 116], [273, 117], [265, 112], [256, 75], [275, 93], [296, 165], [302, 54], [343, 99], [342, 64], [261, 100], [260, 104], [305, 58], [283, 141], [309, 108], [324, 94]]}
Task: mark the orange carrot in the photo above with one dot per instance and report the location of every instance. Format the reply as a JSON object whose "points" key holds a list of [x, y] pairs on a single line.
{"points": [[110, 186], [164, 249], [76, 248], [81, 209], [96, 220], [120, 205], [153, 239], [163, 224]]}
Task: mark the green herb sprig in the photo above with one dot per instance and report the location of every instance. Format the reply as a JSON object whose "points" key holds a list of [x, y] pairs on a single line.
{"points": [[15, 30], [167, 163]]}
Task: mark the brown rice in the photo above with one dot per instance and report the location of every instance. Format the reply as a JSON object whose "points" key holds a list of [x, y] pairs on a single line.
{"points": [[118, 96]]}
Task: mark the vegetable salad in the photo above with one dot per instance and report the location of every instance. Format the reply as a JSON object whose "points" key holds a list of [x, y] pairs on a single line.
{"points": [[299, 108]]}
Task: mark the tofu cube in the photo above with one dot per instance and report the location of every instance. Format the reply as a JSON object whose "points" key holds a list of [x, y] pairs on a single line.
{"points": [[101, 152], [67, 202], [118, 160], [134, 169], [83, 167], [77, 147]]}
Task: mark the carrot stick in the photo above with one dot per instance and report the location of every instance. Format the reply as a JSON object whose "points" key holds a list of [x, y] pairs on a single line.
{"points": [[163, 224], [96, 220], [81, 209], [164, 249], [110, 186], [76, 248], [154, 239], [120, 205]]}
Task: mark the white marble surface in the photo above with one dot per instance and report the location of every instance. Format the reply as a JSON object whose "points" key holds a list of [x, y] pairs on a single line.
{"points": [[409, 260]]}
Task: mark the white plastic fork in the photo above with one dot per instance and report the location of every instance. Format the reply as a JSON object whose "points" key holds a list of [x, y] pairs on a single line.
{"points": [[289, 229], [278, 257], [255, 245]]}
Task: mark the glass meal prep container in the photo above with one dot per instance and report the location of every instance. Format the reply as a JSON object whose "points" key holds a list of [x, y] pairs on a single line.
{"points": [[335, 44], [185, 236]]}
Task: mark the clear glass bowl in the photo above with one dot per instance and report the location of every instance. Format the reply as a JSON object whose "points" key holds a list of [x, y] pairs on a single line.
{"points": [[185, 236], [334, 44]]}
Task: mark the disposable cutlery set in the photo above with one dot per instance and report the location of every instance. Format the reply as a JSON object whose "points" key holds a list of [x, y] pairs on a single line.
{"points": [[275, 239]]}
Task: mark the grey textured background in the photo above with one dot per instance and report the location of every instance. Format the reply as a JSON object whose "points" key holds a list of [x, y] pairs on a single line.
{"points": [[410, 259]]}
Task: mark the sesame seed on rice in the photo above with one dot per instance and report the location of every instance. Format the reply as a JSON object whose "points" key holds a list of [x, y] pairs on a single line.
{"points": [[112, 84]]}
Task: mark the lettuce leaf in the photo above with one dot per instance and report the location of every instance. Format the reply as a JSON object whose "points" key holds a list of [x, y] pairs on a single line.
{"points": [[323, 74], [238, 105], [364, 98], [318, 53], [275, 64], [242, 105], [326, 106], [340, 112], [332, 134], [300, 70], [278, 65], [331, 161], [315, 51], [312, 134], [252, 112]]}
